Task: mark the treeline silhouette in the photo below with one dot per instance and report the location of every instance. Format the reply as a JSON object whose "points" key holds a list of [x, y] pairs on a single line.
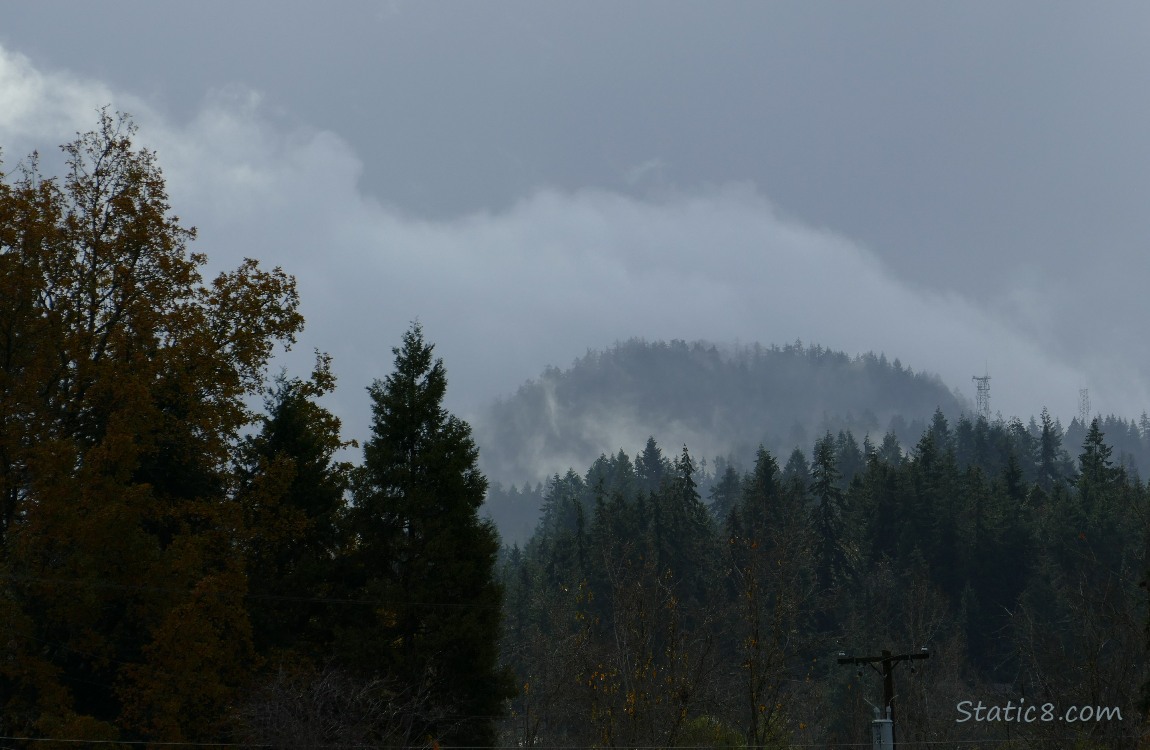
{"points": [[658, 603]]}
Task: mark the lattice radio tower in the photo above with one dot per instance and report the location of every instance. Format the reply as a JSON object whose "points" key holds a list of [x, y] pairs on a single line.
{"points": [[1084, 407], [982, 397]]}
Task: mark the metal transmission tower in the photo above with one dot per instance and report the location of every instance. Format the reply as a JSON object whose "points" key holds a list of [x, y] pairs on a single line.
{"points": [[1084, 406], [982, 398]]}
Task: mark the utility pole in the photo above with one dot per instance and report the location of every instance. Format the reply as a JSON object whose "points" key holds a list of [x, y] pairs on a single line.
{"points": [[888, 661]]}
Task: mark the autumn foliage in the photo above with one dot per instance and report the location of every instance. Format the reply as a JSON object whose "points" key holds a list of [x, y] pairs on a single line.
{"points": [[177, 568], [123, 379]]}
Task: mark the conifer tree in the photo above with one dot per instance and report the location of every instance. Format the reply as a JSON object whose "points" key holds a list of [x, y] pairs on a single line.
{"points": [[292, 491], [690, 528], [724, 494], [849, 458], [650, 466], [889, 451], [1052, 463], [768, 556], [1096, 469], [797, 471], [832, 563], [422, 550]]}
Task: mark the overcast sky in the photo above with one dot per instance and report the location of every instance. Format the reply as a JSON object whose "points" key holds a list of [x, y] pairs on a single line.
{"points": [[962, 186]]}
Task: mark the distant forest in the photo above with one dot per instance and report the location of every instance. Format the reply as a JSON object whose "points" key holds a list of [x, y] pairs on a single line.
{"points": [[719, 400], [662, 604], [725, 404]]}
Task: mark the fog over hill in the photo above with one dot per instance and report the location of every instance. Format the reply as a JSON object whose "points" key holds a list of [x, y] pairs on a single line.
{"points": [[718, 400]]}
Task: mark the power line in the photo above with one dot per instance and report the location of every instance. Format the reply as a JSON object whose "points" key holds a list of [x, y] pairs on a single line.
{"points": [[80, 582], [348, 746]]}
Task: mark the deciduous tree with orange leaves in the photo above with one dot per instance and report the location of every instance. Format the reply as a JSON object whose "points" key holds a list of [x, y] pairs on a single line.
{"points": [[123, 383]]}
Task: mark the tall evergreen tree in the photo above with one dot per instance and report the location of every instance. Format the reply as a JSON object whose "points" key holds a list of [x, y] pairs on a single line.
{"points": [[889, 451], [797, 471], [292, 491], [692, 529], [831, 559], [765, 552], [1052, 463], [849, 458], [422, 550], [651, 466], [1096, 469], [725, 493]]}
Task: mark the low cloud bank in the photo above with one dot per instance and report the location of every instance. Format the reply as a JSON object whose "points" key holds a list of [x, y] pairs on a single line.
{"points": [[505, 294]]}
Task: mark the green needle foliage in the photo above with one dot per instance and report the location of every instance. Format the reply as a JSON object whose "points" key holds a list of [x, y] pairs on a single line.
{"points": [[420, 547]]}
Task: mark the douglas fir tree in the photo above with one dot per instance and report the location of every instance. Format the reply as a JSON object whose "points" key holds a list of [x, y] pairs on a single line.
{"points": [[423, 552]]}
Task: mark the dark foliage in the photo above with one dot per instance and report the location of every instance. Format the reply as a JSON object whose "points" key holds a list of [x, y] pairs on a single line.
{"points": [[1015, 565]]}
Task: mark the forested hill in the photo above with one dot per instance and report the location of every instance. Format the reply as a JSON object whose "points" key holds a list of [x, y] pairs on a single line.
{"points": [[718, 401]]}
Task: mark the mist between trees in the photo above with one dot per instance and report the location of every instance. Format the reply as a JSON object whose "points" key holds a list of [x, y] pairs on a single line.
{"points": [[178, 567]]}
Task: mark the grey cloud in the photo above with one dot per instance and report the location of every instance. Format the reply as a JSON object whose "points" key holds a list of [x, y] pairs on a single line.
{"points": [[504, 293]]}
